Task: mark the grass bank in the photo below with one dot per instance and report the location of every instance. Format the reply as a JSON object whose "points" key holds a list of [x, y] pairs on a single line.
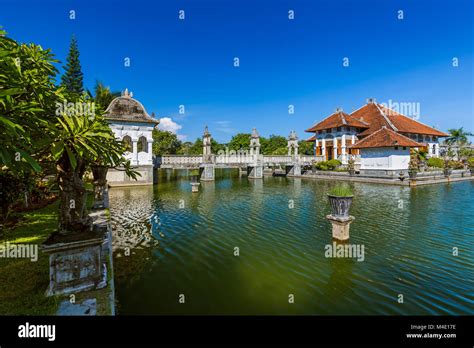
{"points": [[23, 282]]}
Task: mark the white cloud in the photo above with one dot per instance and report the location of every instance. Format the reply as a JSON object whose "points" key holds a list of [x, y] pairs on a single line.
{"points": [[182, 137], [167, 124]]}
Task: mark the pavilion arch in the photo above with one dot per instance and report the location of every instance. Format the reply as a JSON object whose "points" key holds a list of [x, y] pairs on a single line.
{"points": [[142, 144], [127, 142]]}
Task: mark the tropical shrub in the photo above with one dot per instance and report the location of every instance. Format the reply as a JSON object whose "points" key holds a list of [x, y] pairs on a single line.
{"points": [[470, 162], [435, 162], [333, 164], [456, 164]]}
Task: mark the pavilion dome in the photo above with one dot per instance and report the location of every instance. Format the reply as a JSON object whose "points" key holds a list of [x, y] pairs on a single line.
{"points": [[127, 109]]}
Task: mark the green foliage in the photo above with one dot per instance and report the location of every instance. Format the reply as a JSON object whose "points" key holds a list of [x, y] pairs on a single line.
{"points": [[196, 148], [455, 164], [306, 147], [328, 165], [458, 136], [239, 141], [333, 164], [73, 76], [341, 190], [414, 164], [470, 162], [102, 96], [466, 152], [165, 143], [28, 99], [435, 162]]}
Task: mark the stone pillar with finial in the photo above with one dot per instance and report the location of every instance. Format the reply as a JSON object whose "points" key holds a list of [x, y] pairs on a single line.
{"points": [[293, 169], [207, 168], [255, 168]]}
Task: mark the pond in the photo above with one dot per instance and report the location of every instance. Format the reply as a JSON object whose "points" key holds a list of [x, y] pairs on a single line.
{"points": [[258, 247]]}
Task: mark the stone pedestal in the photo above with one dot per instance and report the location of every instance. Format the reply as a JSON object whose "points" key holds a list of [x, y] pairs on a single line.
{"points": [[76, 266], [340, 226], [293, 170], [195, 187], [207, 172], [255, 172]]}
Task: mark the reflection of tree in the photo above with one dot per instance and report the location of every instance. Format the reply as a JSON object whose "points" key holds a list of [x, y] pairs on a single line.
{"points": [[132, 215]]}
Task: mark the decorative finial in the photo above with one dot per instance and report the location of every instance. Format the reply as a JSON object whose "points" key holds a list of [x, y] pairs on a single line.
{"points": [[338, 109], [292, 136], [255, 133], [370, 100], [206, 131]]}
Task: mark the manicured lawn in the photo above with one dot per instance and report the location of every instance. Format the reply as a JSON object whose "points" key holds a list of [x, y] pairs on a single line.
{"points": [[23, 282]]}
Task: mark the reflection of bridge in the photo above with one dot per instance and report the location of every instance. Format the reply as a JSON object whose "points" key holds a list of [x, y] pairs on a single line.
{"points": [[251, 160]]}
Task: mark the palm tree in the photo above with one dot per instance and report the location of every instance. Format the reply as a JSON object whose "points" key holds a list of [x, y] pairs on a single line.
{"points": [[102, 96], [79, 142], [458, 136]]}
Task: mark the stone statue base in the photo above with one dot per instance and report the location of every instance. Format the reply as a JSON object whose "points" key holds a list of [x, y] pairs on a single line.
{"points": [[207, 172], [255, 172], [195, 187], [340, 226]]}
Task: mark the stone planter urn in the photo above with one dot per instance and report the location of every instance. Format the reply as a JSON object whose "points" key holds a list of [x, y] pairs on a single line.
{"points": [[447, 172], [340, 206], [401, 176], [412, 174], [352, 172], [471, 169]]}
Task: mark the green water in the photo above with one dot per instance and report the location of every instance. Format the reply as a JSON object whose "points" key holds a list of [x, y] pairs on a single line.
{"points": [[184, 243]]}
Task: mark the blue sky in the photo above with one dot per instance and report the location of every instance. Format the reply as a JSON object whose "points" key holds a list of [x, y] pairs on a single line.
{"points": [[299, 62]]}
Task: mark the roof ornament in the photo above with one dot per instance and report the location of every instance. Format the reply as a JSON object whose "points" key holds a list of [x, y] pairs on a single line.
{"points": [[371, 100], [126, 94], [338, 109], [206, 132], [292, 136], [255, 133]]}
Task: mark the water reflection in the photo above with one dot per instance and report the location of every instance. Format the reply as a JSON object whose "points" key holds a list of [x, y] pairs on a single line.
{"points": [[183, 242]]}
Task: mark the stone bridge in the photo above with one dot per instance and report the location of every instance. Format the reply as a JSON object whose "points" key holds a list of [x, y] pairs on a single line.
{"points": [[251, 161]]}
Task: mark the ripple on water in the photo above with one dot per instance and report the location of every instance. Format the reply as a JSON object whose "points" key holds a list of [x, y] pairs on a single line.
{"points": [[280, 230]]}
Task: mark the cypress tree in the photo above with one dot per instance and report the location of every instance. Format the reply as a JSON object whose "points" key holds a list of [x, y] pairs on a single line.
{"points": [[72, 77]]}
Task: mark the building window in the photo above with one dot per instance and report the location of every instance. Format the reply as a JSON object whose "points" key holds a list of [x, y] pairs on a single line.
{"points": [[434, 149], [142, 144], [404, 148], [127, 142], [396, 147], [338, 129], [329, 131]]}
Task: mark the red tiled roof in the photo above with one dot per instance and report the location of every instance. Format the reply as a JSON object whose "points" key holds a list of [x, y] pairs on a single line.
{"points": [[385, 137], [377, 116], [338, 119]]}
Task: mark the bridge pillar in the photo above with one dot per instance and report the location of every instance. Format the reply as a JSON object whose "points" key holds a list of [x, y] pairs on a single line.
{"points": [[207, 171], [293, 169], [255, 171]]}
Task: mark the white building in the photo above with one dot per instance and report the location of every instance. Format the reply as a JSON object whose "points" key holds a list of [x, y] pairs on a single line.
{"points": [[385, 150], [335, 135], [132, 125]]}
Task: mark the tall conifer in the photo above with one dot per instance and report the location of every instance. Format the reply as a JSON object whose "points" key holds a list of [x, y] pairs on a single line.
{"points": [[73, 76]]}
